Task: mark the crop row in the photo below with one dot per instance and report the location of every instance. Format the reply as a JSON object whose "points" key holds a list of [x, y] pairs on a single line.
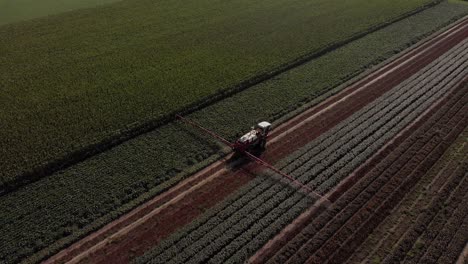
{"points": [[348, 216], [381, 241], [438, 223], [366, 221], [451, 253], [102, 89], [181, 256], [429, 223], [342, 147], [80, 199], [209, 249], [247, 234], [356, 197], [330, 177], [341, 227], [279, 242], [381, 86], [371, 113], [445, 235]]}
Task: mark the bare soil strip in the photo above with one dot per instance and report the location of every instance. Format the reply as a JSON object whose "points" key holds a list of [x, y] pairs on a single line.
{"points": [[288, 233], [463, 258], [372, 77], [291, 230], [428, 224], [381, 241], [436, 233], [336, 233], [121, 240]]}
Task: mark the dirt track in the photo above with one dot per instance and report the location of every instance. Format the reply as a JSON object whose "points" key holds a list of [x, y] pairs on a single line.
{"points": [[291, 230], [371, 200], [145, 226]]}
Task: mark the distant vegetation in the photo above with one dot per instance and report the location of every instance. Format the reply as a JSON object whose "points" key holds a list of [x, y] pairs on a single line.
{"points": [[75, 79], [43, 217], [19, 10]]}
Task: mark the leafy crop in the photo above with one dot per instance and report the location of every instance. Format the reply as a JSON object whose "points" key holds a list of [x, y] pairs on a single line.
{"points": [[44, 216], [73, 82], [426, 224], [380, 242], [383, 186], [321, 164]]}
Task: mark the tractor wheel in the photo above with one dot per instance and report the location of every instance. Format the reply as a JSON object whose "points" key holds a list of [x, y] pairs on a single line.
{"points": [[263, 144]]}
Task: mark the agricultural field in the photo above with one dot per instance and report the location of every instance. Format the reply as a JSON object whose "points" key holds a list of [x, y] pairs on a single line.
{"points": [[239, 227], [378, 96], [79, 83], [411, 245], [12, 11], [334, 235]]}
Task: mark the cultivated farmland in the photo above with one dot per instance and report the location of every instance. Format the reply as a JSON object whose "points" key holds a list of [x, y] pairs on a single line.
{"points": [[334, 235], [379, 137], [92, 80], [412, 207], [237, 230]]}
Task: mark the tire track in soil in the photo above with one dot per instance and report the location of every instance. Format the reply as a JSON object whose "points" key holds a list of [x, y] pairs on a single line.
{"points": [[309, 215], [443, 216], [437, 215], [338, 248], [450, 176], [280, 240], [424, 220], [382, 239], [185, 252], [359, 99], [150, 231], [323, 221], [461, 238], [444, 236]]}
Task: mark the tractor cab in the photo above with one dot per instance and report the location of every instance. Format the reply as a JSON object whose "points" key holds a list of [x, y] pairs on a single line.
{"points": [[263, 127], [256, 138]]}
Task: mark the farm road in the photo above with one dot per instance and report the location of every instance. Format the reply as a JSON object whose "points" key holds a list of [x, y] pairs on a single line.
{"points": [[142, 228]]}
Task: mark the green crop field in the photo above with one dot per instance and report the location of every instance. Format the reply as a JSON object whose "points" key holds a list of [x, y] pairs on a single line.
{"points": [[44, 216], [19, 10], [76, 79]]}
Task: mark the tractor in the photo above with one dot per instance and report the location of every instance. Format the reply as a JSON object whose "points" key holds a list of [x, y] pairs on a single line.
{"points": [[253, 140]]}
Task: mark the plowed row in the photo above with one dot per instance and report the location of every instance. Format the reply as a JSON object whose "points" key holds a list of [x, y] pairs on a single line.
{"points": [[239, 227], [362, 119], [334, 235], [415, 203], [437, 232]]}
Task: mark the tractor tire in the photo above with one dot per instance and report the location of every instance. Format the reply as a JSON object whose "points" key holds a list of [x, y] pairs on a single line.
{"points": [[263, 145]]}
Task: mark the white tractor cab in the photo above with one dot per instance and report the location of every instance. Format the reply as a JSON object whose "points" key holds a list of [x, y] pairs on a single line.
{"points": [[255, 138]]}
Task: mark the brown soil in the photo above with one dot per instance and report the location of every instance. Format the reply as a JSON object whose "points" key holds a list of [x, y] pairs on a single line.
{"points": [[171, 218], [123, 239], [335, 236], [286, 235], [382, 240], [294, 228]]}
